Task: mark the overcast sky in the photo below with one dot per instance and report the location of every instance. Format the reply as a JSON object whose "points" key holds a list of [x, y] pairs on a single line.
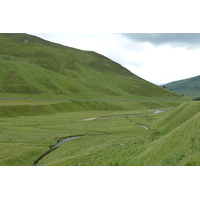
{"points": [[157, 57]]}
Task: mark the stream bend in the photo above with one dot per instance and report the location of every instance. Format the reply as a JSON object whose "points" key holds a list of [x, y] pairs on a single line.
{"points": [[126, 117], [58, 144]]}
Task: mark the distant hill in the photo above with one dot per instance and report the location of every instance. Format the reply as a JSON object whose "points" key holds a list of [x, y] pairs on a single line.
{"points": [[188, 87], [31, 66]]}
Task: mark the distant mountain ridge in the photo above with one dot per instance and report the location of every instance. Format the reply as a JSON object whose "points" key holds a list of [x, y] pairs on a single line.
{"points": [[30, 65], [188, 87]]}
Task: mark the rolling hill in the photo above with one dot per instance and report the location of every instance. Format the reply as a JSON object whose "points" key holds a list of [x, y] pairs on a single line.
{"points": [[33, 67], [178, 139], [188, 87]]}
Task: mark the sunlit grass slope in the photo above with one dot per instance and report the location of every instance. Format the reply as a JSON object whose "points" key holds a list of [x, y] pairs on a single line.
{"points": [[33, 67], [178, 139], [179, 116], [173, 138], [115, 141]]}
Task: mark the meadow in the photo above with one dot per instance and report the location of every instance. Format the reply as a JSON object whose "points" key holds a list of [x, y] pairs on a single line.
{"points": [[103, 141]]}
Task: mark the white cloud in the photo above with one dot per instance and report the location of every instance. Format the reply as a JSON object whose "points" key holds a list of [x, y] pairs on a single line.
{"points": [[164, 64]]}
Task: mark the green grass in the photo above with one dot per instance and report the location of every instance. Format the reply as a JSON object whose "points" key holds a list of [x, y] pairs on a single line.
{"points": [[101, 144], [178, 147], [179, 116], [41, 68], [43, 131], [188, 87], [173, 138], [24, 107]]}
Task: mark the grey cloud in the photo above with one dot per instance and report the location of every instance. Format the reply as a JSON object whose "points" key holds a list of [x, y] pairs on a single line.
{"points": [[189, 40]]}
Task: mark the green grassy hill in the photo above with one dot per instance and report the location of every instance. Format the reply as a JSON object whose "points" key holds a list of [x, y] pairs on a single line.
{"points": [[188, 87], [177, 139], [33, 67]]}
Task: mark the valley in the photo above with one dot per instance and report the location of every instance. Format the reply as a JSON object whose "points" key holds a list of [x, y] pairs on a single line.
{"points": [[99, 111], [108, 138]]}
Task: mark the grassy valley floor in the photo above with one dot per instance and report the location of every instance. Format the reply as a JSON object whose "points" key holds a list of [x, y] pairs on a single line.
{"points": [[118, 140]]}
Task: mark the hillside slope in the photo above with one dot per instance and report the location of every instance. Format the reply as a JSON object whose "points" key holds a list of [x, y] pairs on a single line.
{"points": [[188, 87], [178, 142], [31, 66]]}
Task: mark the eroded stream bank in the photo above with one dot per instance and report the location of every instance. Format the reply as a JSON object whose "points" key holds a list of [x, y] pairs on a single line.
{"points": [[142, 125], [58, 144]]}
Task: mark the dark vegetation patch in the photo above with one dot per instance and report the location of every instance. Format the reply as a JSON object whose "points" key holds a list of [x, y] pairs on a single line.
{"points": [[103, 90], [13, 83], [196, 99], [48, 83]]}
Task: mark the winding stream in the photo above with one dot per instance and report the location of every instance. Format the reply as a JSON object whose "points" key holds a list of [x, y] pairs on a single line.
{"points": [[126, 117], [142, 125], [59, 142]]}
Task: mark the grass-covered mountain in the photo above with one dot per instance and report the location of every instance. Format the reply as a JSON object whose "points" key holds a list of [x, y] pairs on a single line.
{"points": [[188, 87], [31, 66]]}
